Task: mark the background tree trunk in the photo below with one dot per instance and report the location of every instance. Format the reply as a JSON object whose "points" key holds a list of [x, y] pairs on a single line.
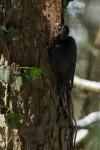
{"points": [[44, 126]]}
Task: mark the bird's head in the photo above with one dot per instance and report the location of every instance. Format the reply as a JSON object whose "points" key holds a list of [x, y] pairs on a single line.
{"points": [[63, 30]]}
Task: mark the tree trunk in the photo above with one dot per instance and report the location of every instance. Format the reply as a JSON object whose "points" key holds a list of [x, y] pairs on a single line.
{"points": [[43, 124]]}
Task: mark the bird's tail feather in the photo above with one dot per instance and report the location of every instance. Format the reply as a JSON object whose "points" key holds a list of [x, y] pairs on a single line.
{"points": [[67, 107], [64, 92], [65, 99]]}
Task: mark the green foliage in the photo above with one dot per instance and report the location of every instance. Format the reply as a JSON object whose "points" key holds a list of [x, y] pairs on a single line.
{"points": [[33, 73], [14, 119], [12, 32], [2, 2]]}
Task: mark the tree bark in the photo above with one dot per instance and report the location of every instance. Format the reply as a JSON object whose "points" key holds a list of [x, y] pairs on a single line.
{"points": [[44, 126]]}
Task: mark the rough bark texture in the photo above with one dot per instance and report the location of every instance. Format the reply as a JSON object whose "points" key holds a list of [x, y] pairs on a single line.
{"points": [[44, 126]]}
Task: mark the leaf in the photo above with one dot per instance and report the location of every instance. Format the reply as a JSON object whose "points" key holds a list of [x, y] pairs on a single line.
{"points": [[5, 73], [14, 119], [17, 83], [34, 73], [2, 120]]}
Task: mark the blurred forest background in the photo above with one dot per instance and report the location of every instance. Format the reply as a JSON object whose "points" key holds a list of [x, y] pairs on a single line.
{"points": [[84, 22]]}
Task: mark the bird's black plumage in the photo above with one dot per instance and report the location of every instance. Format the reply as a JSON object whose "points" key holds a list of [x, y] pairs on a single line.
{"points": [[63, 53], [63, 56]]}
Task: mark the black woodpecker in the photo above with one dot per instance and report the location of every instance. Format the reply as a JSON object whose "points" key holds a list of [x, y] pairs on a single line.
{"points": [[63, 53]]}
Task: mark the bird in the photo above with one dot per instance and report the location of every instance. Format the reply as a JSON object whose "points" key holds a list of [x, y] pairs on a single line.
{"points": [[63, 55]]}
